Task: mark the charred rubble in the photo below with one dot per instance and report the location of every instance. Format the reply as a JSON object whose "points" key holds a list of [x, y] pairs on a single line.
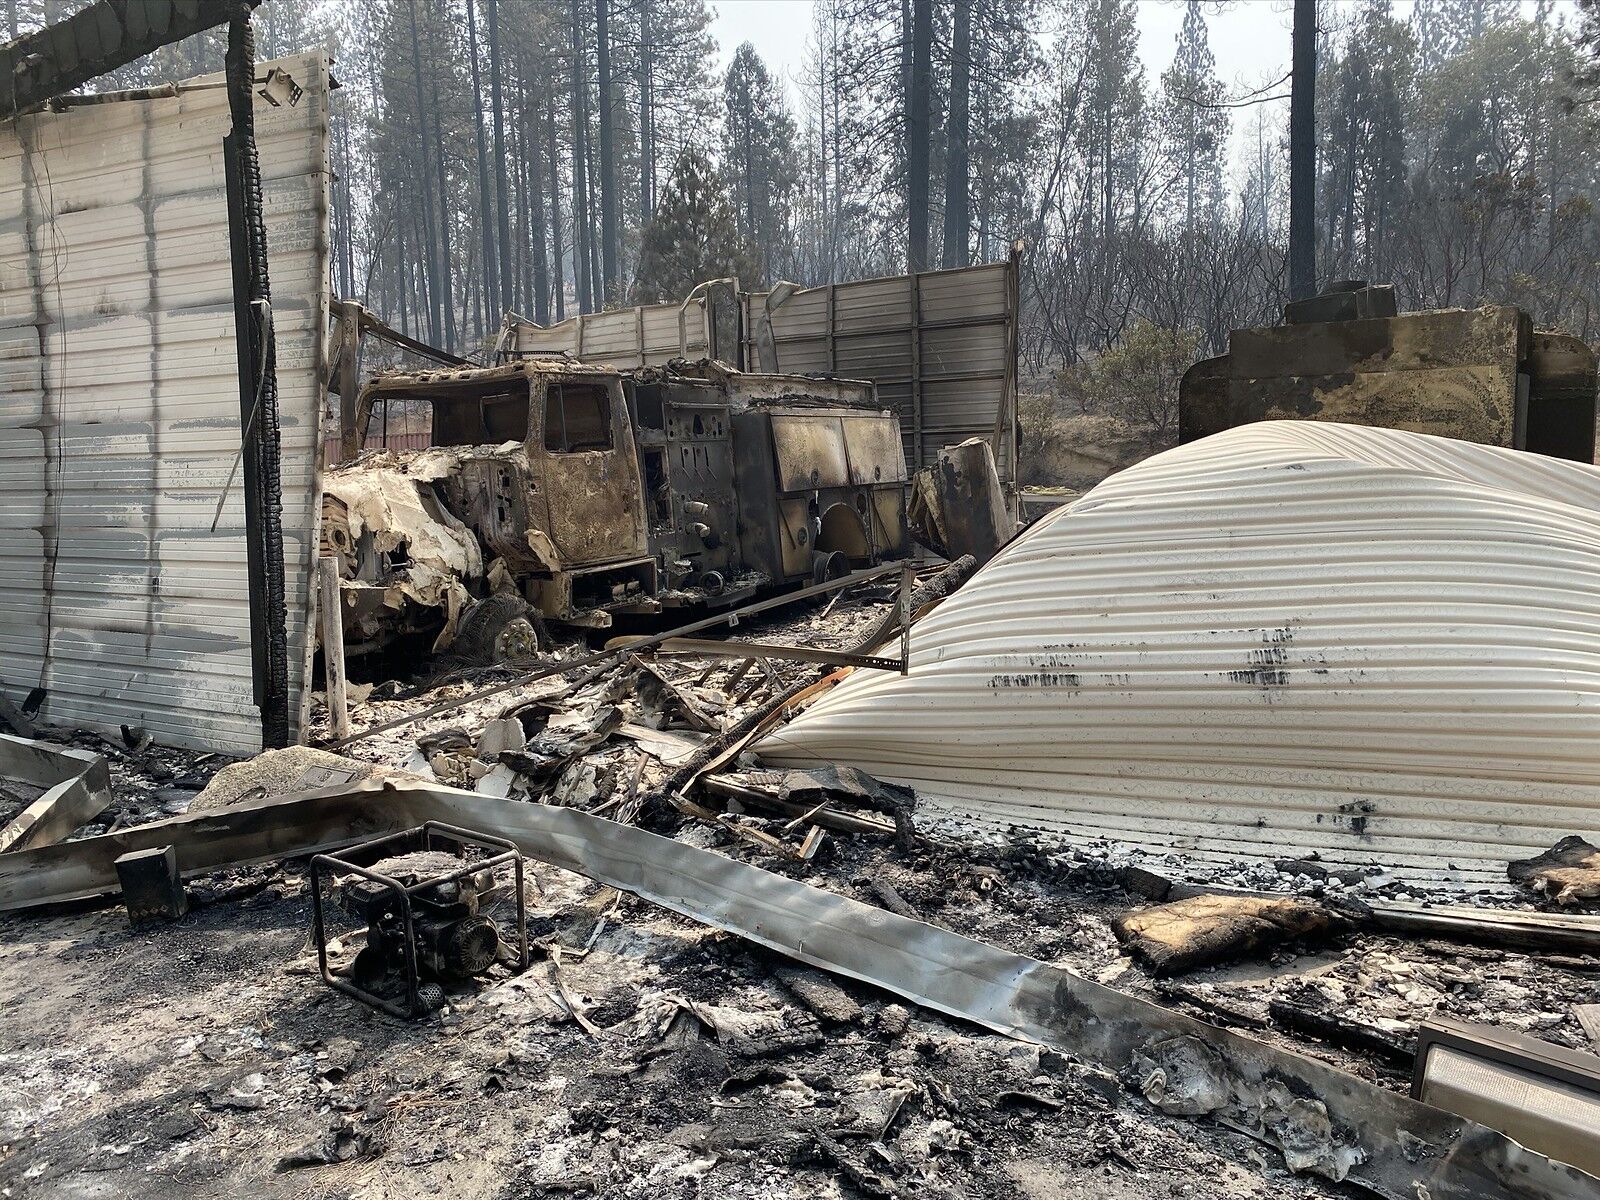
{"points": [[644, 1053], [549, 890]]}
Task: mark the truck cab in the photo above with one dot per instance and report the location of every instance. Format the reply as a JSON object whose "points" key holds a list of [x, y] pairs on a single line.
{"points": [[547, 489]]}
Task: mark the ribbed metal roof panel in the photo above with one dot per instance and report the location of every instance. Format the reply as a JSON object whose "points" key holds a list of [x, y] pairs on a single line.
{"points": [[1290, 638], [119, 406]]}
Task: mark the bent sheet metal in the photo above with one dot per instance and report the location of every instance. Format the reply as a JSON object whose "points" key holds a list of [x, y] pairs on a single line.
{"points": [[1376, 647], [1323, 1119]]}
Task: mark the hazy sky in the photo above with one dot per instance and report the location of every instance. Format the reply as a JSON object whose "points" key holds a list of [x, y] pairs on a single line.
{"points": [[1249, 38]]}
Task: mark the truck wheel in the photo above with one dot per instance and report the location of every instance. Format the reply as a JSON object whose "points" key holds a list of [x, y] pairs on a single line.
{"points": [[502, 628], [826, 566]]}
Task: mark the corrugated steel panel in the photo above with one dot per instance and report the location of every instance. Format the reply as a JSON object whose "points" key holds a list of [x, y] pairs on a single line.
{"points": [[808, 356], [967, 295], [906, 333], [626, 337], [1292, 637], [869, 305], [119, 407], [805, 315], [940, 345]]}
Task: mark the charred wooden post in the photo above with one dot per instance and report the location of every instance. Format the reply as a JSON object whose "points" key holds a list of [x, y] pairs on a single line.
{"points": [[333, 646], [258, 391]]}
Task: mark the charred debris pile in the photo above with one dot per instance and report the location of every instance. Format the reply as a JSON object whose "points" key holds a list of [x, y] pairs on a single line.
{"points": [[1253, 1026], [868, 881]]}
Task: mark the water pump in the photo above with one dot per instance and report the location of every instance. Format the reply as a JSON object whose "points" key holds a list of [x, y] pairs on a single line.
{"points": [[427, 928]]}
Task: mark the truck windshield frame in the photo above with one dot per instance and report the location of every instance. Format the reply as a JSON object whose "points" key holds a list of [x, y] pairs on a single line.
{"points": [[490, 416], [577, 416]]}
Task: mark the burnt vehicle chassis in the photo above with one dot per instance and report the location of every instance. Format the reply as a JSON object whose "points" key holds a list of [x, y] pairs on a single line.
{"points": [[551, 490]]}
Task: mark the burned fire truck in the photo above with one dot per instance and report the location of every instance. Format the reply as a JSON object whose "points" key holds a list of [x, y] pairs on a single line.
{"points": [[551, 490]]}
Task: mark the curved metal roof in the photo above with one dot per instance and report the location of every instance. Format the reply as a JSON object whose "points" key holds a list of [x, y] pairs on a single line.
{"points": [[1292, 637]]}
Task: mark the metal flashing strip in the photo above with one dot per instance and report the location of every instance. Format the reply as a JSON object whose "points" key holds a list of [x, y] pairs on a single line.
{"points": [[77, 789], [1324, 1119]]}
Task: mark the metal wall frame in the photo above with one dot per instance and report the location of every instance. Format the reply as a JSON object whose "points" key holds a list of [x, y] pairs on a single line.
{"points": [[119, 405]]}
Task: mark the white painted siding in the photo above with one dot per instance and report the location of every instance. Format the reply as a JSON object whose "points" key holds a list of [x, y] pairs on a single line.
{"points": [[939, 346], [1379, 646], [119, 407], [645, 335]]}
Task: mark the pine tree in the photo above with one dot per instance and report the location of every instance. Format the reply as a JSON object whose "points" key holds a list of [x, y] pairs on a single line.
{"points": [[1194, 128], [1115, 130], [694, 235], [919, 103], [1005, 134], [759, 161], [1366, 92], [958, 133]]}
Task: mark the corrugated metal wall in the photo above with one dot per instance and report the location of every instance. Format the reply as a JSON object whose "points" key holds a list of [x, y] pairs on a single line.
{"points": [[119, 407], [646, 335], [1288, 638], [940, 345]]}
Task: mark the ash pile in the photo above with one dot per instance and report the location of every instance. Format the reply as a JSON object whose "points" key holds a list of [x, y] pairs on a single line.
{"points": [[723, 971]]}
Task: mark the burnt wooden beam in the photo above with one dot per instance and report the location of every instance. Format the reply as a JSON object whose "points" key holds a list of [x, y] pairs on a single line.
{"points": [[97, 40]]}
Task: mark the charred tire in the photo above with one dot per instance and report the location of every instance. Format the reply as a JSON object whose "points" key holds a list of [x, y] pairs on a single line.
{"points": [[502, 628], [831, 565]]}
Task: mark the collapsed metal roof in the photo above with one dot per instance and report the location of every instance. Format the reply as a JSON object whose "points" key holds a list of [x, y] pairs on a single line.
{"points": [[1290, 638]]}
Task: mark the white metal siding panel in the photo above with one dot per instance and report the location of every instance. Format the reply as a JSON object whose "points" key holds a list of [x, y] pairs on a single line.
{"points": [[964, 336], [805, 315], [661, 332], [119, 407], [546, 339], [806, 356], [1292, 637], [881, 354], [967, 294], [965, 350], [613, 337], [865, 305]]}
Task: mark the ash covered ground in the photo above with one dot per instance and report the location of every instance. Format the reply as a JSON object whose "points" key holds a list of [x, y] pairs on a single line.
{"points": [[644, 1054]]}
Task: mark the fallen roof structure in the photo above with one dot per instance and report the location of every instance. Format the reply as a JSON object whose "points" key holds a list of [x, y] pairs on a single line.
{"points": [[1290, 638]]}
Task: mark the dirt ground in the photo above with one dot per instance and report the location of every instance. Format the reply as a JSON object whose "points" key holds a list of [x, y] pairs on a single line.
{"points": [[206, 1058]]}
